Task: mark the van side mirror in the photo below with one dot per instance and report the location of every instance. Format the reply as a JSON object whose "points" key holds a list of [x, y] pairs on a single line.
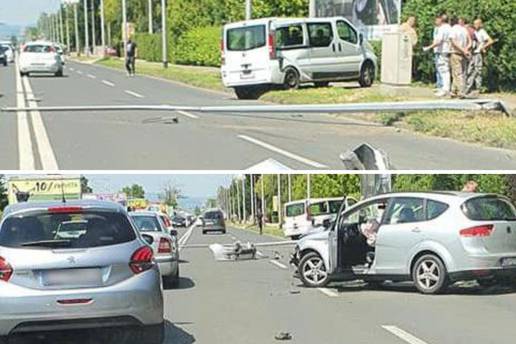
{"points": [[360, 38], [327, 224]]}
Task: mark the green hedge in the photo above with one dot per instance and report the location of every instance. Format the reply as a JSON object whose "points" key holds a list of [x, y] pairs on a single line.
{"points": [[500, 21], [149, 46], [199, 46]]}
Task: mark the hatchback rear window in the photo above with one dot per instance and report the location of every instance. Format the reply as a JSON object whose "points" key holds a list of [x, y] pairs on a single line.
{"points": [[246, 38], [213, 215], [489, 209], [86, 229], [33, 48], [147, 223], [295, 209]]}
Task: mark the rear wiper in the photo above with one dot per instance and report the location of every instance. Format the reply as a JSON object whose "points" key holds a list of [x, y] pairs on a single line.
{"points": [[47, 243]]}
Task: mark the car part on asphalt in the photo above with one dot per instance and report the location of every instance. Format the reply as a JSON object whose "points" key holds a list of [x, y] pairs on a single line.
{"points": [[366, 158], [283, 336]]}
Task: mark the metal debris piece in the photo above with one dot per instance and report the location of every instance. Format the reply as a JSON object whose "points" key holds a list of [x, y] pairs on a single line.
{"points": [[237, 251], [283, 336], [365, 157]]}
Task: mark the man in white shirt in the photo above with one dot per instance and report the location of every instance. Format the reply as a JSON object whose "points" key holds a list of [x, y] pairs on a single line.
{"points": [[460, 43], [441, 46], [482, 42]]}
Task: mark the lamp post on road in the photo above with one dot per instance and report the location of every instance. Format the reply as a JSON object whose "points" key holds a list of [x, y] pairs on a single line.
{"points": [[86, 34], [67, 29], [164, 45], [93, 32], [248, 9], [73, 3], [312, 9], [102, 27], [149, 6], [124, 26]]}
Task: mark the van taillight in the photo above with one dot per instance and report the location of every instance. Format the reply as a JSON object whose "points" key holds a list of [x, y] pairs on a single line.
{"points": [[141, 260], [478, 231], [222, 54], [6, 271], [272, 46], [165, 246]]}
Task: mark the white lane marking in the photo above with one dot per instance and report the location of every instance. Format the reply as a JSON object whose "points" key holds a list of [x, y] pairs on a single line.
{"points": [[282, 151], [79, 72], [405, 336], [260, 254], [278, 264], [91, 76], [328, 292], [188, 114], [71, 69], [108, 83], [46, 153], [25, 153], [184, 239], [134, 94]]}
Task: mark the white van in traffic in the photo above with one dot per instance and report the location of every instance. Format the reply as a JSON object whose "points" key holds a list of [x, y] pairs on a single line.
{"points": [[306, 215], [263, 53]]}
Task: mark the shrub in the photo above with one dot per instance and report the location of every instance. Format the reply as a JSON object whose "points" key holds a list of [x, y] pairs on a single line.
{"points": [[149, 46], [199, 46]]}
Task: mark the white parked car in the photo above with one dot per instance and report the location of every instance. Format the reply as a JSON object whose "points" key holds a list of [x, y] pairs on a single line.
{"points": [[432, 239], [40, 57], [308, 215], [264, 53]]}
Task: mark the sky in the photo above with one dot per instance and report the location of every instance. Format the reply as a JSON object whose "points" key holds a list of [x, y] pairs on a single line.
{"points": [[25, 12]]}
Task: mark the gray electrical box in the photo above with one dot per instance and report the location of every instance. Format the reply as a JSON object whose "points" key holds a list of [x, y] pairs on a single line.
{"points": [[396, 59]]}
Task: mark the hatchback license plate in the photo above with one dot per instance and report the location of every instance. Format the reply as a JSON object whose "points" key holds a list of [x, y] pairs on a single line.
{"points": [[509, 262], [64, 277]]}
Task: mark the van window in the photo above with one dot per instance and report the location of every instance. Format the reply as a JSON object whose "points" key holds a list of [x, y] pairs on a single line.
{"points": [[405, 210], [295, 209], [289, 36], [319, 208], [320, 34], [335, 206], [435, 209], [346, 32], [489, 209], [246, 38]]}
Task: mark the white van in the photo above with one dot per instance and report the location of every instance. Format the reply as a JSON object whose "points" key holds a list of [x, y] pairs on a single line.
{"points": [[304, 216], [264, 53]]}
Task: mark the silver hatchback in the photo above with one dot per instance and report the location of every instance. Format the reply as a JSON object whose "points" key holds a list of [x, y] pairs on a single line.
{"points": [[104, 277], [433, 239]]}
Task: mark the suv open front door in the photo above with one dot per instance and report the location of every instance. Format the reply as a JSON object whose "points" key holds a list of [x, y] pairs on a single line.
{"points": [[335, 235]]}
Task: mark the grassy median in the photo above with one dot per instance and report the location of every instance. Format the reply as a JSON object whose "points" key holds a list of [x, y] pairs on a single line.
{"points": [[273, 231], [487, 128]]}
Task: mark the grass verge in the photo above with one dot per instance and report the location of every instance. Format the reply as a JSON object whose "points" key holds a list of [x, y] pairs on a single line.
{"points": [[267, 229]]}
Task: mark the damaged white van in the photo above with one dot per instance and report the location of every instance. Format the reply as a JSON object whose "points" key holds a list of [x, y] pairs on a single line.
{"points": [[264, 53]]}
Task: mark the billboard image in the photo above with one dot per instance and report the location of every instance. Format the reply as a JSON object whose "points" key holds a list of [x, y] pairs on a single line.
{"points": [[33, 189], [372, 17]]}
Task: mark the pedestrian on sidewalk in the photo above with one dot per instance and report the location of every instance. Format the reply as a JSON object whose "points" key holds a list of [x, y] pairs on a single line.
{"points": [[461, 44], [481, 42], [130, 58], [442, 50], [259, 220]]}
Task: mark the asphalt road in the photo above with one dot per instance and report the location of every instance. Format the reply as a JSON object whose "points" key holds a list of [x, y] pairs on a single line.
{"points": [[149, 140], [252, 301]]}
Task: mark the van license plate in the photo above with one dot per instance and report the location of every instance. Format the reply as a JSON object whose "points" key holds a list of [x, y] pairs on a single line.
{"points": [[509, 262], [247, 76]]}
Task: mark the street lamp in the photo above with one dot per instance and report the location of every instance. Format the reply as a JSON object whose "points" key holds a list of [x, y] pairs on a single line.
{"points": [[124, 26], [164, 33], [150, 16], [75, 3], [86, 34]]}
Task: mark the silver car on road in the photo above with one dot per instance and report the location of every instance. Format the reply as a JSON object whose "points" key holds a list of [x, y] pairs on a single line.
{"points": [[103, 278], [433, 239]]}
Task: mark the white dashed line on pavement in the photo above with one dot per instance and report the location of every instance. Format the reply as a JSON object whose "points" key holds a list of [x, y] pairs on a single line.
{"points": [[188, 114], [71, 69], [134, 94], [401, 334], [328, 292], [278, 264], [184, 239], [108, 83], [282, 152], [79, 72], [91, 76]]}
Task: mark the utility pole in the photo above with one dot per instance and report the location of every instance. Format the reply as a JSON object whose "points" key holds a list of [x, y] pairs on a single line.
{"points": [[67, 16], [263, 198], [124, 26], [164, 46], [93, 33], [312, 10], [86, 29], [308, 186], [253, 203], [102, 27], [150, 16], [279, 199], [244, 211], [238, 203], [248, 9], [289, 187], [76, 18]]}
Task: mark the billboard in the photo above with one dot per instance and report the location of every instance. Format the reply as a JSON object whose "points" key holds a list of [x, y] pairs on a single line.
{"points": [[138, 203], [51, 188], [372, 17], [120, 197]]}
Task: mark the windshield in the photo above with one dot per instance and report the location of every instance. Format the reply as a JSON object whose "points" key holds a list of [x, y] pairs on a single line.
{"points": [[213, 215], [246, 38], [295, 209], [147, 223], [66, 230], [489, 209], [37, 48]]}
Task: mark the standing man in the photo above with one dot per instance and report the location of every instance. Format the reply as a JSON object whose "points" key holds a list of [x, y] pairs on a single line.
{"points": [[482, 42], [130, 60], [259, 218], [459, 40], [409, 28], [442, 49]]}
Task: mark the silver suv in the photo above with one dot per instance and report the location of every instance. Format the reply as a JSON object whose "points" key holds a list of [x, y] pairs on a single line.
{"points": [[103, 278], [432, 239]]}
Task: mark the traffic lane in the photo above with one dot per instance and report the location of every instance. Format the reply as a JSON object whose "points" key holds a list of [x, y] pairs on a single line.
{"points": [[8, 122], [251, 302]]}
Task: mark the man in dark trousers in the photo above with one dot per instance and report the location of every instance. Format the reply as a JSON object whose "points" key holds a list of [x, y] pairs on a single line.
{"points": [[259, 218], [130, 58]]}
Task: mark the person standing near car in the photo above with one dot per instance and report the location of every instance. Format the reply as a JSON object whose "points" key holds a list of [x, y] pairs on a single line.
{"points": [[130, 58], [461, 44], [441, 46], [482, 42]]}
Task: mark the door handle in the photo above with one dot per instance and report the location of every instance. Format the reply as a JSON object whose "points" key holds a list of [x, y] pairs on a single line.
{"points": [[333, 47], [416, 230], [340, 47]]}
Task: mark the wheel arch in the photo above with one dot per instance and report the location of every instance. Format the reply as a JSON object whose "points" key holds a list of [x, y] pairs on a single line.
{"points": [[369, 60], [444, 257]]}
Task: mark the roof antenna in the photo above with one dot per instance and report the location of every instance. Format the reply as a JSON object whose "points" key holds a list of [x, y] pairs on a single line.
{"points": [[63, 198]]}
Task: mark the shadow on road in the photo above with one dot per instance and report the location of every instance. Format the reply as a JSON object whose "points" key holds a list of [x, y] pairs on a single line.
{"points": [[47, 76], [184, 283], [176, 335]]}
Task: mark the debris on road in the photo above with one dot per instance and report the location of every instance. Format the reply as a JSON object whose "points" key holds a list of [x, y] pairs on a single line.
{"points": [[283, 336], [235, 252]]}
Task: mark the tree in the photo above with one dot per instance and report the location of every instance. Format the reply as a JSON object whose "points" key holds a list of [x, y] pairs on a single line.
{"points": [[170, 195], [134, 191], [211, 203], [85, 188], [3, 193]]}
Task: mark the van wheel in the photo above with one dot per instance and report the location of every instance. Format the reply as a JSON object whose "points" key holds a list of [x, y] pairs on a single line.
{"points": [[322, 84], [250, 93], [312, 271], [292, 80], [367, 75], [59, 73], [430, 275]]}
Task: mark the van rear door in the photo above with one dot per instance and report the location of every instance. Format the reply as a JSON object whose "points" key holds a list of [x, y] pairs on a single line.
{"points": [[247, 53]]}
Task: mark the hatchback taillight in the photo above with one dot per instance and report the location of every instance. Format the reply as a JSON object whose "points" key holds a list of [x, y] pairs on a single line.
{"points": [[272, 46], [165, 246], [141, 260], [6, 271], [477, 231]]}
